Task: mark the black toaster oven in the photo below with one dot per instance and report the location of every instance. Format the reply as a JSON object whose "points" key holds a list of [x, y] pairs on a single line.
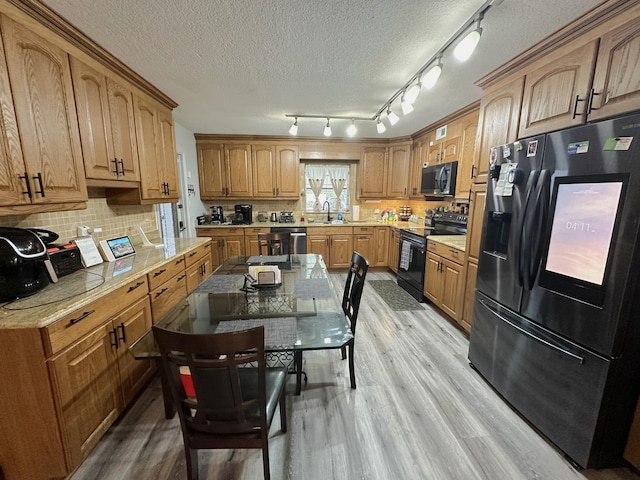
{"points": [[65, 258]]}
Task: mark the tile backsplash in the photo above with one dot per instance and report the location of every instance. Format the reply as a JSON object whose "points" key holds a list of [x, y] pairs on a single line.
{"points": [[114, 220]]}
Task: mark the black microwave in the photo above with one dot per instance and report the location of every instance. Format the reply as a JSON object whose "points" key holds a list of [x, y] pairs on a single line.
{"points": [[439, 180]]}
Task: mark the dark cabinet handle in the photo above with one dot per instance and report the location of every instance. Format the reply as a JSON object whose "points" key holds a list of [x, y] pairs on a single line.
{"points": [[121, 166], [575, 106], [590, 106], [122, 333], [115, 164], [178, 262], [133, 287], [473, 171], [26, 180], [159, 272], [84, 315], [161, 292], [181, 277], [39, 178], [114, 341], [192, 254]]}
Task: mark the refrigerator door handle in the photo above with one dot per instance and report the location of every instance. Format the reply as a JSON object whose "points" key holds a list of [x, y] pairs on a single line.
{"points": [[533, 230], [531, 335], [520, 240]]}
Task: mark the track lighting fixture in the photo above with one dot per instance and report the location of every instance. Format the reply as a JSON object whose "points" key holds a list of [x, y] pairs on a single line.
{"points": [[468, 44], [351, 129], [294, 128], [427, 76], [327, 129], [392, 117]]}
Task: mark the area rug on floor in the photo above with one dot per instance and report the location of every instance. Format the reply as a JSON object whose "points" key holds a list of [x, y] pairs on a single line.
{"points": [[394, 296]]}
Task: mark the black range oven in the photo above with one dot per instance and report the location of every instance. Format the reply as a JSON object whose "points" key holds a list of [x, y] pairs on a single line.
{"points": [[413, 249]]}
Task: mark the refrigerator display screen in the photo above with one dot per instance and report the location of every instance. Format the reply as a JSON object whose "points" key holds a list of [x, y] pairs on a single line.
{"points": [[582, 229]]}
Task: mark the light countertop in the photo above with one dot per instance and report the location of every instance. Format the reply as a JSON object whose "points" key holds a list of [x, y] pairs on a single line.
{"points": [[50, 304], [459, 242], [360, 223]]}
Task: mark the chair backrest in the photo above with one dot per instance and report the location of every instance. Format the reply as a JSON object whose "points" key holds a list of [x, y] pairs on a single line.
{"points": [[353, 288], [274, 243], [228, 399]]}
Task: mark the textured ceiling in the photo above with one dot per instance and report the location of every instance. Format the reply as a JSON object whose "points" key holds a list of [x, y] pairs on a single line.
{"points": [[238, 66]]}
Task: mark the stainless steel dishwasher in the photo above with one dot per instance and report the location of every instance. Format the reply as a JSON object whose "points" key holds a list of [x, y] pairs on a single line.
{"points": [[298, 237]]}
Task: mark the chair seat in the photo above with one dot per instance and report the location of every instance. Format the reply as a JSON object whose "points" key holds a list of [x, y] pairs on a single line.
{"points": [[274, 378]]}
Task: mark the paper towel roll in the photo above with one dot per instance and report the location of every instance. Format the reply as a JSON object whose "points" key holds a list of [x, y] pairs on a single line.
{"points": [[355, 213]]}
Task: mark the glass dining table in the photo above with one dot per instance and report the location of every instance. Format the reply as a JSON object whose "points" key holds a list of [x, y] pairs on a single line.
{"points": [[299, 312]]}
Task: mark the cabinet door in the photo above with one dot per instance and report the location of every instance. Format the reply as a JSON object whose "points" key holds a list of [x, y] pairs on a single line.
{"points": [[217, 252], [497, 124], [365, 246], [372, 173], [394, 250], [167, 156], [46, 115], [12, 166], [435, 150], [450, 150], [476, 217], [239, 181], [398, 176], [469, 126], [123, 129], [319, 244], [418, 156], [233, 247], [452, 284], [263, 159], [147, 135], [90, 89], [381, 247], [341, 250], [556, 94], [211, 170], [288, 172], [433, 278], [131, 324], [87, 388], [616, 83], [466, 319]]}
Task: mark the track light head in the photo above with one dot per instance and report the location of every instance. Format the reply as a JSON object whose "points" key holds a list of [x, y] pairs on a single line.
{"points": [[327, 129], [465, 48], [407, 107], [351, 129], [294, 128], [430, 78], [380, 126], [392, 117]]}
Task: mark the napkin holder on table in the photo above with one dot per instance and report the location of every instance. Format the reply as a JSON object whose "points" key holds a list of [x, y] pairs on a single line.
{"points": [[266, 274]]}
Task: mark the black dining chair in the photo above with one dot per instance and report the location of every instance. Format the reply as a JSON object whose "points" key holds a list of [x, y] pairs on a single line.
{"points": [[223, 400], [351, 304], [278, 243]]}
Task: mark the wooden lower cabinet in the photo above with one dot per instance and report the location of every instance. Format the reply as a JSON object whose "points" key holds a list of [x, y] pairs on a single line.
{"points": [[335, 244], [251, 246], [225, 243], [373, 244], [394, 249], [466, 320], [167, 295], [198, 267], [444, 279]]}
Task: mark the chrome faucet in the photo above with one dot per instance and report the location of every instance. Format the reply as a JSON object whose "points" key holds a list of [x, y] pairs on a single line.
{"points": [[328, 209]]}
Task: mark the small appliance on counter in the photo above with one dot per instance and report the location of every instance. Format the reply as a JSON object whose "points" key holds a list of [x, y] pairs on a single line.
{"points": [[202, 219], [65, 259], [286, 217], [217, 215], [405, 213], [25, 267], [262, 216], [243, 214]]}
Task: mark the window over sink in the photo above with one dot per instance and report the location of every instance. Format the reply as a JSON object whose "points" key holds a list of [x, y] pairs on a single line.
{"points": [[327, 182]]}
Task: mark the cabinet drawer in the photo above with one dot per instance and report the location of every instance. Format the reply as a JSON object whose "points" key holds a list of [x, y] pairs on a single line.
{"points": [[248, 231], [363, 230], [449, 253], [76, 325], [219, 231], [165, 272], [196, 254], [165, 297], [329, 230]]}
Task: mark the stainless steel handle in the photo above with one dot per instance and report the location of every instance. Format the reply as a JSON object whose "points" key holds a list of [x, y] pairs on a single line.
{"points": [[531, 335]]}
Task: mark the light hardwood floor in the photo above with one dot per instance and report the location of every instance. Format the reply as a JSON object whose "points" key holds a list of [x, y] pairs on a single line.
{"points": [[419, 412]]}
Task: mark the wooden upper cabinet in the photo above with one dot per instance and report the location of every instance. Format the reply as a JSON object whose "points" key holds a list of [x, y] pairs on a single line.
{"points": [[275, 171], [45, 110], [107, 129], [476, 217], [155, 135], [419, 152], [468, 128], [616, 84], [263, 158], [398, 171], [123, 131], [288, 171], [238, 174], [372, 173], [497, 123], [556, 94], [211, 170]]}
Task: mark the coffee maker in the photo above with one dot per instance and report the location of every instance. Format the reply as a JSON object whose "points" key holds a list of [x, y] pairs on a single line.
{"points": [[217, 215], [243, 214], [25, 267]]}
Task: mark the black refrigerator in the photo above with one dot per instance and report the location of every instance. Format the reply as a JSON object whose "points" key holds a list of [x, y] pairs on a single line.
{"points": [[556, 318]]}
